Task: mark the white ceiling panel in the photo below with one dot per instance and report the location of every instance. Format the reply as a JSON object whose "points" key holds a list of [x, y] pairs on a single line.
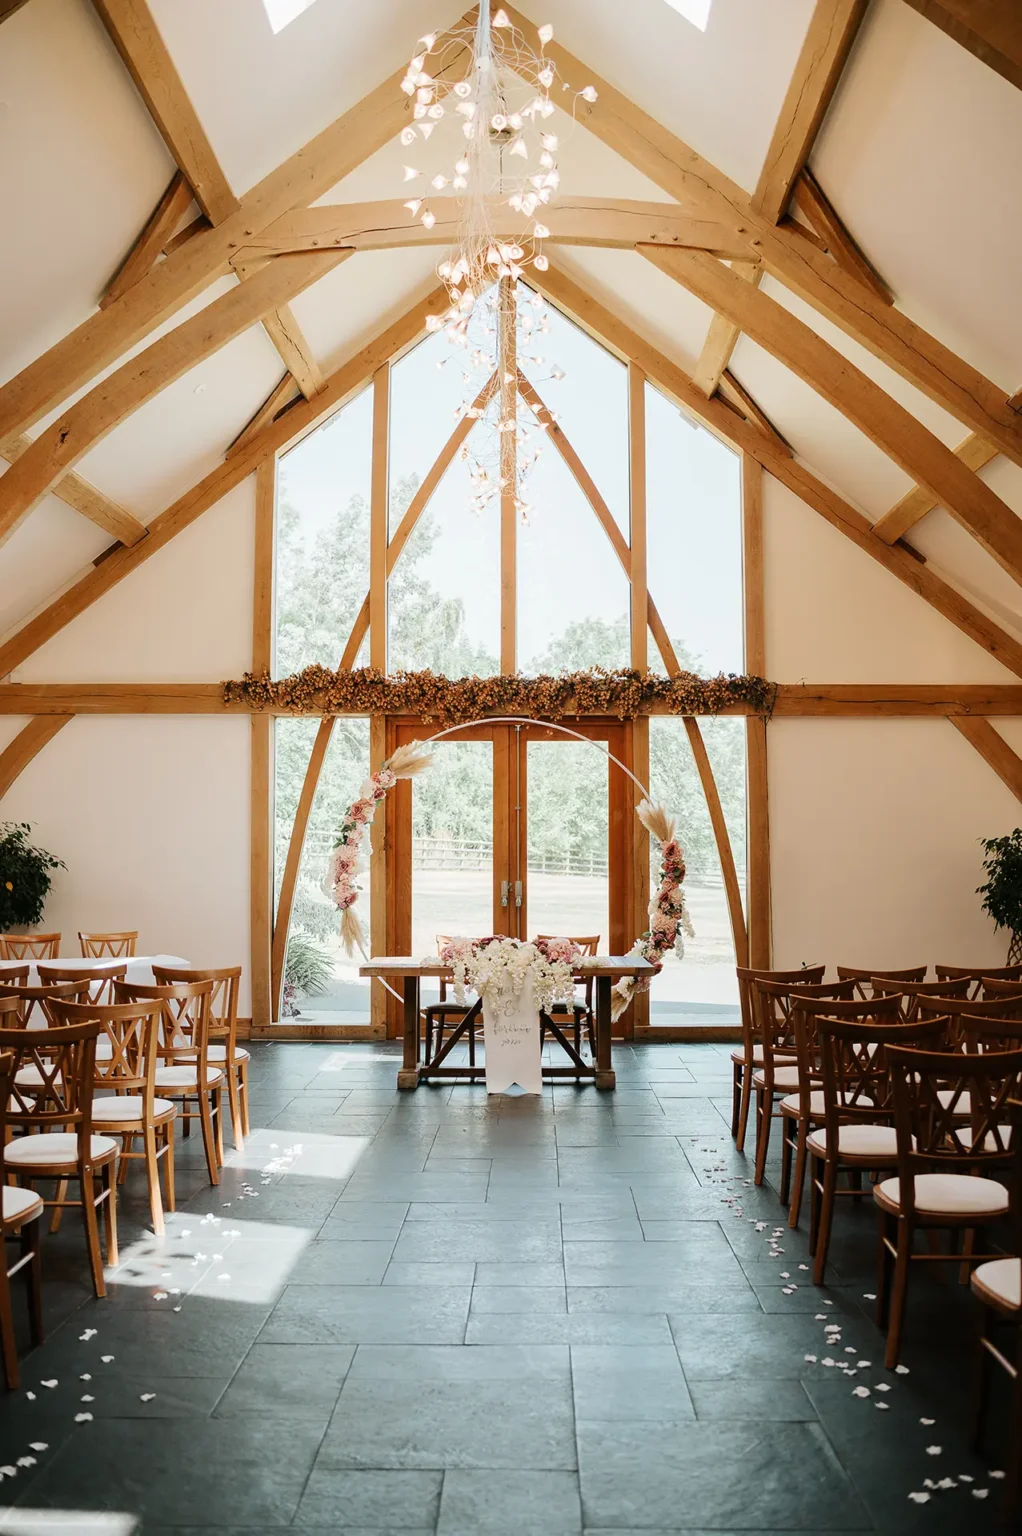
{"points": [[46, 552], [653, 304], [357, 300]]}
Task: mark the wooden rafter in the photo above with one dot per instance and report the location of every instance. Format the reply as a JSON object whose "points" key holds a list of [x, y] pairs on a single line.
{"points": [[991, 746], [990, 29], [294, 351], [305, 176], [19, 753], [811, 200], [722, 337], [887, 423], [280, 397], [84, 498], [342, 384], [581, 306], [143, 376], [914, 506], [737, 396], [8, 8], [797, 262], [163, 221], [832, 29]]}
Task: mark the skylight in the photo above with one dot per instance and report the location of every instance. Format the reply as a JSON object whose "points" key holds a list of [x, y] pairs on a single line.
{"points": [[695, 11], [281, 13]]}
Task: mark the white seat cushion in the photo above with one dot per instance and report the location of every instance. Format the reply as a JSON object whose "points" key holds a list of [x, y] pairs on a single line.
{"points": [[186, 1077], [127, 1106], [1001, 1279], [963, 1106], [792, 1105], [784, 1077], [18, 1203], [858, 1141], [52, 1147], [219, 1053], [950, 1194]]}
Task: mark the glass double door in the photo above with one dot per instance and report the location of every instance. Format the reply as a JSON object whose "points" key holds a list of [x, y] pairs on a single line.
{"points": [[516, 829]]}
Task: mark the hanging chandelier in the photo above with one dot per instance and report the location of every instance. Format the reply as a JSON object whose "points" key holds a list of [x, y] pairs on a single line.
{"points": [[501, 178]]}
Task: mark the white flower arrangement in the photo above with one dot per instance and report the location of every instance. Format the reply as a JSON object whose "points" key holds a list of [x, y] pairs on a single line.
{"points": [[493, 965]]}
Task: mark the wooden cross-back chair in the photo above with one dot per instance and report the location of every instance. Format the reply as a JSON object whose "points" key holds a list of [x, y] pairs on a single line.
{"points": [[581, 1013], [35, 1004], [991, 988], [803, 1109], [864, 979], [957, 1008], [777, 1075], [101, 978], [29, 946], [125, 1103], [20, 1210], [51, 1105], [749, 1056], [224, 1051], [446, 1015], [954, 1131], [857, 1132], [97, 946], [914, 993], [975, 976], [15, 975], [184, 1073]]}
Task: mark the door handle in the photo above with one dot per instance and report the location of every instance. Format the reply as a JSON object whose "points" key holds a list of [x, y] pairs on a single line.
{"points": [[505, 886], [518, 893]]}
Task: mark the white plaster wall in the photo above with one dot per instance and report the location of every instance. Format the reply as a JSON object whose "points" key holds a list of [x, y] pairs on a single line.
{"points": [[151, 816]]}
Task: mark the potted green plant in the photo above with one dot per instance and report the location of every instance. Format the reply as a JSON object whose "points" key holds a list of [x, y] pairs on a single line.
{"points": [[1002, 893], [308, 970], [25, 877]]}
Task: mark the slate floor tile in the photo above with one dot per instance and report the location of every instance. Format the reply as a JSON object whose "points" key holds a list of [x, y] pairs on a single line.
{"points": [[629, 1383], [292, 1380], [364, 1314], [518, 1503], [340, 1500]]}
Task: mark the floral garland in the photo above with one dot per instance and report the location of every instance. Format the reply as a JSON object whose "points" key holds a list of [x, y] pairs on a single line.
{"points": [[498, 964], [626, 693], [670, 923], [339, 882]]}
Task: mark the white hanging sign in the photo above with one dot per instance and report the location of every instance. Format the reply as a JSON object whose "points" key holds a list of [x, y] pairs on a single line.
{"points": [[511, 1039]]}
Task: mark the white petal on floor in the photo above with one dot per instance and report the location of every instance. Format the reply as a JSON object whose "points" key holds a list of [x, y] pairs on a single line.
{"points": [[83, 1418], [919, 1498], [934, 1450]]}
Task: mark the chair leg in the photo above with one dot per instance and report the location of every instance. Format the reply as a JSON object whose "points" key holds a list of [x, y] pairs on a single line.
{"points": [[764, 1115], [216, 1110], [8, 1347], [736, 1097], [152, 1173], [899, 1294], [58, 1208], [743, 1111], [815, 1194], [242, 1067], [168, 1164], [984, 1374], [122, 1162], [885, 1267], [785, 1184], [968, 1247], [826, 1221], [208, 1143], [92, 1232], [31, 1248], [799, 1181], [110, 1213], [1011, 1487], [234, 1099]]}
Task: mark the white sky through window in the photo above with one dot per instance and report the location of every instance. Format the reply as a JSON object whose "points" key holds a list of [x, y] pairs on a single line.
{"points": [[282, 12], [695, 11]]}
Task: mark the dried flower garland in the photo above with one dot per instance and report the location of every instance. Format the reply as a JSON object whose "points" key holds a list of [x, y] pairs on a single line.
{"points": [[317, 690], [670, 923]]}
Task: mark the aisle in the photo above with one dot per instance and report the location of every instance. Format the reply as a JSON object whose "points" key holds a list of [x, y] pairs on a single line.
{"points": [[435, 1312]]}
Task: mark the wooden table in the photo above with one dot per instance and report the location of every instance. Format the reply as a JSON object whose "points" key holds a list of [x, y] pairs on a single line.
{"points": [[414, 1070]]}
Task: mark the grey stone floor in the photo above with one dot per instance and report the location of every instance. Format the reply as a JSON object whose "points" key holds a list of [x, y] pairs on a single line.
{"points": [[439, 1312]]}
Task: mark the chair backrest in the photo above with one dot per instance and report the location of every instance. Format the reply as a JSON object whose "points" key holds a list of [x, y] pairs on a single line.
{"points": [[100, 978], [853, 1065], [952, 1112], [913, 993], [29, 946], [15, 975], [976, 974], [35, 1003], [129, 1030], [864, 979], [96, 945], [223, 1001], [589, 944], [775, 1005], [10, 1013], [957, 1007], [183, 1034], [806, 1013], [990, 1034], [806, 975], [991, 987], [57, 1093]]}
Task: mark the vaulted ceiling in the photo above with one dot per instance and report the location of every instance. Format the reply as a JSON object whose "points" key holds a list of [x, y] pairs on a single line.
{"points": [[909, 194]]}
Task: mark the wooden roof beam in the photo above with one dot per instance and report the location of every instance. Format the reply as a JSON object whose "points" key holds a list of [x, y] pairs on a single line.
{"points": [[832, 30], [162, 222], [587, 311], [28, 743], [808, 196], [280, 397], [84, 498], [991, 30], [993, 748], [894, 429], [342, 384], [722, 337], [96, 414]]}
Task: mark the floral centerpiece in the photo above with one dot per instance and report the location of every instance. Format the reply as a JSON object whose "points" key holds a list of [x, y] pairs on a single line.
{"points": [[499, 964]]}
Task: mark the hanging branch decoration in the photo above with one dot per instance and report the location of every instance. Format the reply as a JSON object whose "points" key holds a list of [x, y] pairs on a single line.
{"points": [[433, 698], [340, 882], [669, 924]]}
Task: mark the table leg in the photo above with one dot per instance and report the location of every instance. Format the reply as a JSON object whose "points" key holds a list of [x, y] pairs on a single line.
{"points": [[408, 1076], [605, 1077]]}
